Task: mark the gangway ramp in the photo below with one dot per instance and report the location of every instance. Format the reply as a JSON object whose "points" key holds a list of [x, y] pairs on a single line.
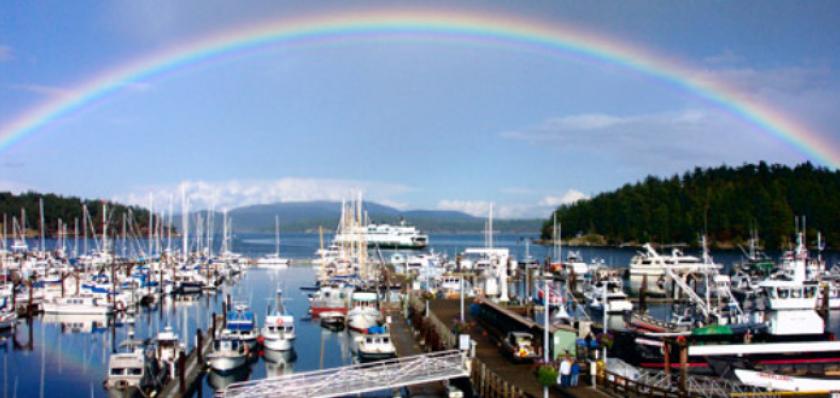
{"points": [[357, 379]]}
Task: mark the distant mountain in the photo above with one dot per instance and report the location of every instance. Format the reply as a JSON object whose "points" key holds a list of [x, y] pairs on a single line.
{"points": [[307, 216]]}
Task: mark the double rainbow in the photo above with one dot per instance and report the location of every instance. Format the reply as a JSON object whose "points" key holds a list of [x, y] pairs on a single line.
{"points": [[433, 23]]}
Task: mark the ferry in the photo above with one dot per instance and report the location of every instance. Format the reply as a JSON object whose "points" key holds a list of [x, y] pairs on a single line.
{"points": [[400, 236]]}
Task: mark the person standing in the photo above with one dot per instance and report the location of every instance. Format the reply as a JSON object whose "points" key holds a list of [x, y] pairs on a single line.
{"points": [[565, 371], [575, 374]]}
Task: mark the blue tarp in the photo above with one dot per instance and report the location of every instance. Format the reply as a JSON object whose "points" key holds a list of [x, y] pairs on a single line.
{"points": [[377, 330]]}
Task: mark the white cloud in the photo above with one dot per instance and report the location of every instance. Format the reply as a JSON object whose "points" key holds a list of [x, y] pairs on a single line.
{"points": [[657, 142], [540, 209], [478, 208], [571, 196], [15, 187], [235, 193]]}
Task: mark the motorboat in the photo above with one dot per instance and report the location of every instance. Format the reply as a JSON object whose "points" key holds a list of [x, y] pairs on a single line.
{"points": [[169, 348], [132, 373], [376, 344], [278, 332], [78, 305], [229, 353], [333, 320], [653, 269], [330, 298], [241, 323], [612, 291], [363, 313]]}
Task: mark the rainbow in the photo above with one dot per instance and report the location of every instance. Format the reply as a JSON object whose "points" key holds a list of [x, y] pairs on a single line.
{"points": [[434, 23]]}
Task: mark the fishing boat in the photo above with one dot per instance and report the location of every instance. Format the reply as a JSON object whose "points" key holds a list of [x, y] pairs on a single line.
{"points": [[273, 260], [78, 305], [132, 373], [228, 354], [241, 324], [330, 298], [610, 290], [363, 314], [169, 348], [333, 320], [376, 344], [279, 329], [788, 337]]}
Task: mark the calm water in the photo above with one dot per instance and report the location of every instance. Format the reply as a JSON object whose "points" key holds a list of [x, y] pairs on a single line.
{"points": [[68, 357]]}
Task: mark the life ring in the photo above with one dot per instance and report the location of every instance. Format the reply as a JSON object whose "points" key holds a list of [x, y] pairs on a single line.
{"points": [[119, 305]]}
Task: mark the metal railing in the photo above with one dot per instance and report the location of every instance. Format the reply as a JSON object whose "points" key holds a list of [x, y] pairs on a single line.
{"points": [[357, 379]]}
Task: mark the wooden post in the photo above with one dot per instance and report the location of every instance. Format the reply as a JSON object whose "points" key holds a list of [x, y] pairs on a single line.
{"points": [[825, 307], [213, 328], [643, 295], [199, 345], [666, 353], [683, 366], [182, 362], [63, 277], [29, 306]]}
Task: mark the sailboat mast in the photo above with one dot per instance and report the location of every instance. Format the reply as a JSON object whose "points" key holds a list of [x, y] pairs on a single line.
{"points": [[277, 235], [41, 211], [185, 224]]}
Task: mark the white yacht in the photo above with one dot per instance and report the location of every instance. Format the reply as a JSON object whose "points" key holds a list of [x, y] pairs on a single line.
{"points": [[400, 236], [78, 305], [651, 265]]}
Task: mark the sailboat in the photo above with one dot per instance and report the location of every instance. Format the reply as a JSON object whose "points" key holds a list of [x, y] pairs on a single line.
{"points": [[273, 260]]}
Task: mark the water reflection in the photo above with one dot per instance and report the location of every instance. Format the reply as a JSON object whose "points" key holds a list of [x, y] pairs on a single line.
{"points": [[279, 363]]}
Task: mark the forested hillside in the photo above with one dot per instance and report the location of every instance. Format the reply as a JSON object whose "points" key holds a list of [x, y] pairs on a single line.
{"points": [[725, 202], [66, 208]]}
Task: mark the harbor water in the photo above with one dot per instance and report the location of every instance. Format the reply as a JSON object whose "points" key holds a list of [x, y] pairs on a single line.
{"points": [[68, 356]]}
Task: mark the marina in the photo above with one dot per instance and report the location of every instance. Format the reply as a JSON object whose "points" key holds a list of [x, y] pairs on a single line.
{"points": [[271, 323]]}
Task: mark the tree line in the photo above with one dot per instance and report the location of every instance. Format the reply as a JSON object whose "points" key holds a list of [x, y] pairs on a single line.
{"points": [[66, 208], [726, 203]]}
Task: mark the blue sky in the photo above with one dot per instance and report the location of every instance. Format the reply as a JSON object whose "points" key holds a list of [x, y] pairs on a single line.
{"points": [[415, 122]]}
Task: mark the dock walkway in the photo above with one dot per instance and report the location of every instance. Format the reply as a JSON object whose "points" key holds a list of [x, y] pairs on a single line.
{"points": [[406, 345], [521, 375]]}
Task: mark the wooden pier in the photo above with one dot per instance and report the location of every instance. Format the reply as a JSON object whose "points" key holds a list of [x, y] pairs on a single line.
{"points": [[403, 338], [191, 367], [492, 374]]}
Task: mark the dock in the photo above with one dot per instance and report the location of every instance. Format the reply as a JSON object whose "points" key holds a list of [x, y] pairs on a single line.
{"points": [[192, 366], [494, 375], [406, 344]]}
